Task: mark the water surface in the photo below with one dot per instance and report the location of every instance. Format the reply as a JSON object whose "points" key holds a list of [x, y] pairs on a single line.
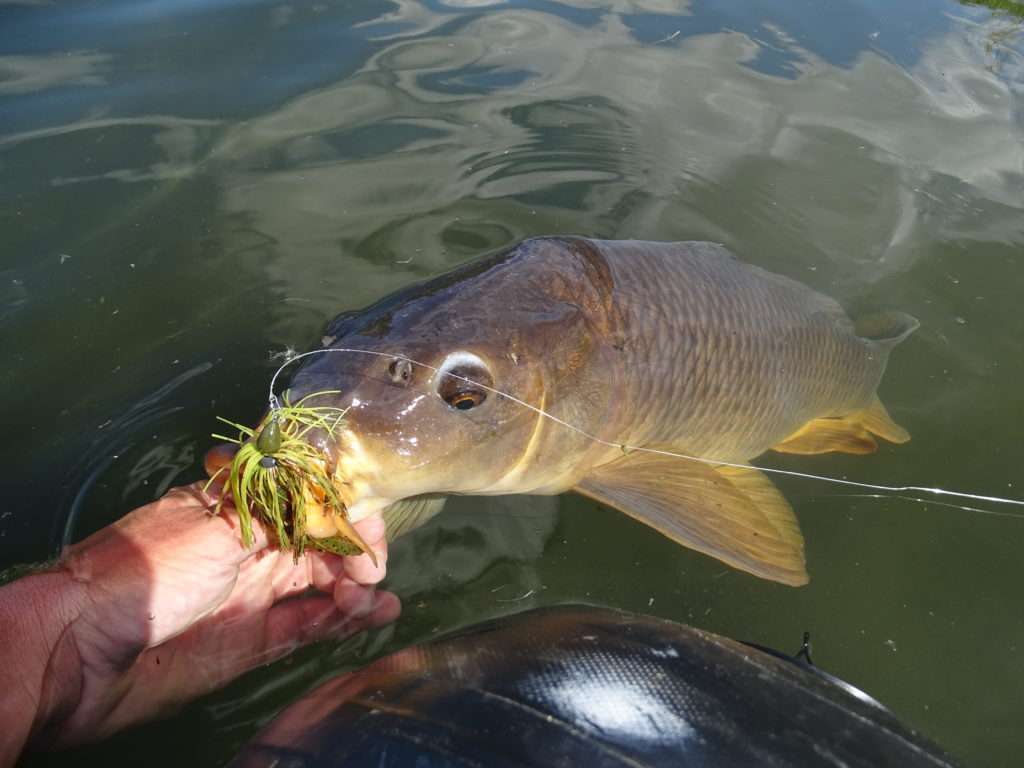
{"points": [[188, 189]]}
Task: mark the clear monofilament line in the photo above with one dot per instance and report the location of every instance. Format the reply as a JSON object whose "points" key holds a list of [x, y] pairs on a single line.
{"points": [[891, 489], [916, 499]]}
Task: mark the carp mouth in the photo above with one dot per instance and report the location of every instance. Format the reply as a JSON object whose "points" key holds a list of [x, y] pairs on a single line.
{"points": [[290, 474]]}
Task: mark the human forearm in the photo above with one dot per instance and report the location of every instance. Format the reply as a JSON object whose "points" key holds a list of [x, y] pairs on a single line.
{"points": [[165, 605], [40, 679]]}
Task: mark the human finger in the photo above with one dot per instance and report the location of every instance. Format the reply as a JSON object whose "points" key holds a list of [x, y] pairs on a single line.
{"points": [[214, 652], [361, 569]]}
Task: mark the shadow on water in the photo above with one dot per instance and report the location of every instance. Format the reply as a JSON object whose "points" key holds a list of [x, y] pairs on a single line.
{"points": [[190, 188]]}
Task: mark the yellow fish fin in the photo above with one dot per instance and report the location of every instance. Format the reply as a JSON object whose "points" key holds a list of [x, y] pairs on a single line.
{"points": [[878, 421], [737, 517], [763, 494], [409, 514], [846, 434]]}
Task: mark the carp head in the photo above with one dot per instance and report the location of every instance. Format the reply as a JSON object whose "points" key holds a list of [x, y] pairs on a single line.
{"points": [[445, 385], [421, 421], [438, 382]]}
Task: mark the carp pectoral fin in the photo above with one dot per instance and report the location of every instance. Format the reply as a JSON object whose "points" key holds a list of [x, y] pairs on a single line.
{"points": [[735, 515], [409, 514], [847, 434]]}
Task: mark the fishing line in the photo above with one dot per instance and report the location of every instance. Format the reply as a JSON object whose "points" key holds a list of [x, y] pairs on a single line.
{"points": [[919, 500], [626, 448]]}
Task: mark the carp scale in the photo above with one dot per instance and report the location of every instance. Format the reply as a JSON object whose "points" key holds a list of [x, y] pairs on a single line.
{"points": [[280, 478]]}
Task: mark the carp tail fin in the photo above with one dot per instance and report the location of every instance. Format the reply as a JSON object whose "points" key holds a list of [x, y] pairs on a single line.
{"points": [[886, 329]]}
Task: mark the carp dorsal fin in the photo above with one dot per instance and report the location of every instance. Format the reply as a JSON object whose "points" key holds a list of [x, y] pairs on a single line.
{"points": [[847, 434], [735, 515], [409, 514]]}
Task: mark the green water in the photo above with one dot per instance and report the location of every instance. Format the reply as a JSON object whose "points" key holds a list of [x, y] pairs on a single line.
{"points": [[189, 188]]}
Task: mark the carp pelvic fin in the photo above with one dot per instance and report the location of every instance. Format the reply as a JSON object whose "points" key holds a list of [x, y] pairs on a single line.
{"points": [[847, 434], [409, 514], [733, 514]]}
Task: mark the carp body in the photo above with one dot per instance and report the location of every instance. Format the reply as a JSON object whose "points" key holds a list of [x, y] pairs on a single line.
{"points": [[643, 375]]}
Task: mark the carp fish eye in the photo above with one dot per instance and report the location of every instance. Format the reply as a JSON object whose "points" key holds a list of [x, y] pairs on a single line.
{"points": [[462, 381]]}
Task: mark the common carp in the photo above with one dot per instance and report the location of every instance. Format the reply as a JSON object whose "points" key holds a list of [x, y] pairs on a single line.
{"points": [[497, 377]]}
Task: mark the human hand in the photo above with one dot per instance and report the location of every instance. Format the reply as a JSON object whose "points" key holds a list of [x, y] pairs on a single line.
{"points": [[167, 605]]}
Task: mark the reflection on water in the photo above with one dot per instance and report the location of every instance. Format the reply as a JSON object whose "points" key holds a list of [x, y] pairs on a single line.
{"points": [[188, 188]]}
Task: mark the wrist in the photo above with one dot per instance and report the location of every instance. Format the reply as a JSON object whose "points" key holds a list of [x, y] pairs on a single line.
{"points": [[42, 682]]}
